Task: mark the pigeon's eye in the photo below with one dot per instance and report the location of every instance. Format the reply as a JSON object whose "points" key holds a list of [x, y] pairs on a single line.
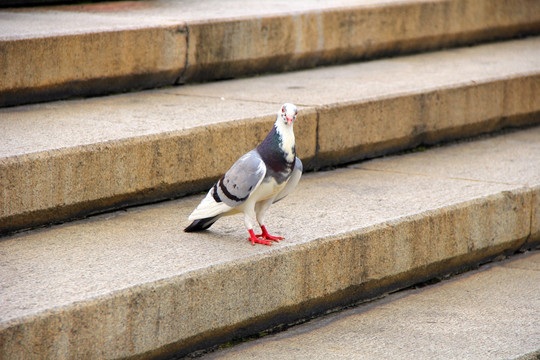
{"points": [[283, 109]]}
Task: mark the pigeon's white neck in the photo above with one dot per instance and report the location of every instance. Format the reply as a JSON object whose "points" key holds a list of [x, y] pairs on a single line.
{"points": [[287, 139]]}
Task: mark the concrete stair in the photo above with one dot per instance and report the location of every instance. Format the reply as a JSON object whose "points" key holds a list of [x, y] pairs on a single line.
{"points": [[133, 284], [71, 158], [63, 51], [127, 282], [489, 313]]}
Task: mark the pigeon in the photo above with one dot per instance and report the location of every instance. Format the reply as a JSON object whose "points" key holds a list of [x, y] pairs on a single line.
{"points": [[258, 179]]}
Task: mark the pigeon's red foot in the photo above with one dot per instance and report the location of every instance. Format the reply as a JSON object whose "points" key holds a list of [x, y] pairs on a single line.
{"points": [[267, 236], [255, 240]]}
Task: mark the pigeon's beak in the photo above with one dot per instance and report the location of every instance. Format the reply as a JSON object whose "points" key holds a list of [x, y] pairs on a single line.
{"points": [[289, 119]]}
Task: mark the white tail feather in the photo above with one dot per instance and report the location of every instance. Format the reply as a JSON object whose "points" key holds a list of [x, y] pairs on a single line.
{"points": [[209, 208]]}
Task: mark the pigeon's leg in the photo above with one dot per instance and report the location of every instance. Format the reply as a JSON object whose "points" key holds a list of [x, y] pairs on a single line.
{"points": [[260, 210], [249, 225]]}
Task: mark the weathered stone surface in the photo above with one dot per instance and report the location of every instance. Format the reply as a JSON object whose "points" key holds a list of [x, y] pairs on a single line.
{"points": [[486, 314], [423, 98], [69, 165], [133, 282], [50, 66], [491, 158], [68, 159], [344, 31], [74, 50]]}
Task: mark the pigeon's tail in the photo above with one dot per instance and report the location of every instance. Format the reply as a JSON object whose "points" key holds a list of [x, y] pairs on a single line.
{"points": [[201, 224]]}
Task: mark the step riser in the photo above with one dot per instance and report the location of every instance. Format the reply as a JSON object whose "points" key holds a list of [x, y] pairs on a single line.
{"points": [[429, 117], [193, 310], [173, 164], [123, 173], [54, 67], [44, 66]]}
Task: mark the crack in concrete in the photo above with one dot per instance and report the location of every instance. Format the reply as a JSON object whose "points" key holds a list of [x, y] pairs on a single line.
{"points": [[184, 30]]}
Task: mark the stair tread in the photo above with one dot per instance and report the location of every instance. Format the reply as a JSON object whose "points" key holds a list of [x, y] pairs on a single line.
{"points": [[145, 44], [131, 254], [97, 154], [42, 127], [462, 315]]}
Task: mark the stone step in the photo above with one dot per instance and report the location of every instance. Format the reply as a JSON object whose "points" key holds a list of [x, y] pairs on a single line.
{"points": [[63, 51], [458, 318], [71, 158], [133, 284]]}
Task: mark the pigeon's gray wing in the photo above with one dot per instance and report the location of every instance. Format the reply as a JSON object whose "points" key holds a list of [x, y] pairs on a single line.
{"points": [[293, 180], [240, 181]]}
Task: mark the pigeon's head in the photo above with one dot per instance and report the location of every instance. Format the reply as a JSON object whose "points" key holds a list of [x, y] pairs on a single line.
{"points": [[288, 113]]}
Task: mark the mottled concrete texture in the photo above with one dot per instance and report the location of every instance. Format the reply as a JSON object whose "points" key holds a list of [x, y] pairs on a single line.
{"points": [[64, 51], [133, 283], [115, 59], [70, 164], [487, 314], [367, 108], [67, 159], [491, 157]]}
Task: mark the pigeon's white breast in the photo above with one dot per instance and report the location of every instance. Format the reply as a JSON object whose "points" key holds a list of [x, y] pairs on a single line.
{"points": [[267, 189], [287, 138]]}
